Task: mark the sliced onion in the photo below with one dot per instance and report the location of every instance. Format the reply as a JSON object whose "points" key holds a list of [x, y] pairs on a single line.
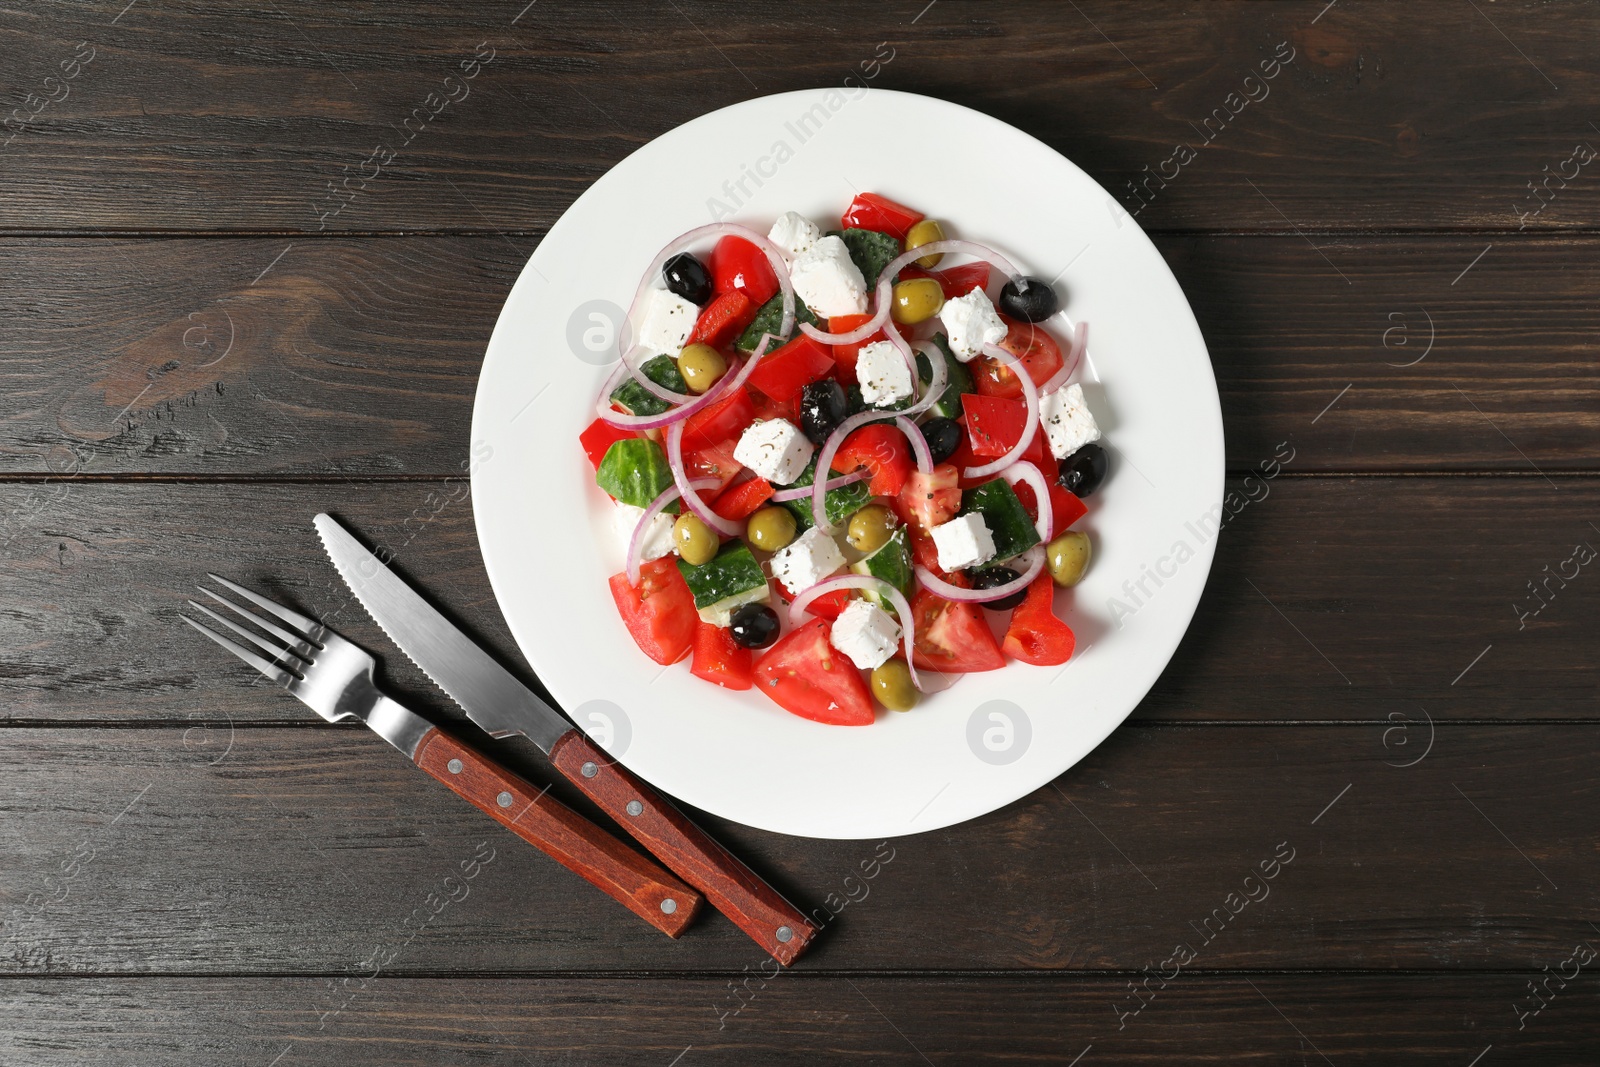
{"points": [[936, 383], [1027, 472], [702, 511], [850, 337], [1030, 394], [878, 585], [636, 541], [1080, 342], [729, 383], [939, 587], [805, 490], [919, 443]]}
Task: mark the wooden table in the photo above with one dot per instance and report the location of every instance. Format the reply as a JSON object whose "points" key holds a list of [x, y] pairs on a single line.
{"points": [[1388, 694]]}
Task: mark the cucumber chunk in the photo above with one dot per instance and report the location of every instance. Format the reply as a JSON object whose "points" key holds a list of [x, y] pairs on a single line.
{"points": [[1008, 522], [841, 503], [635, 471], [769, 318], [870, 251], [635, 399], [891, 561], [728, 581]]}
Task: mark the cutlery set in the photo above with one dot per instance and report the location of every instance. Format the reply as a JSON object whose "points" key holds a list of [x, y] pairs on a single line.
{"points": [[334, 677]]}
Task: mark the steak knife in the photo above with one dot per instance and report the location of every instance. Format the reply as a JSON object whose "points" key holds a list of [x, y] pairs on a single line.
{"points": [[503, 706]]}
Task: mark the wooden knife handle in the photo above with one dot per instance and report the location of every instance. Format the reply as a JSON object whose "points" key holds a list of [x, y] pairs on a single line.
{"points": [[755, 907], [560, 833]]}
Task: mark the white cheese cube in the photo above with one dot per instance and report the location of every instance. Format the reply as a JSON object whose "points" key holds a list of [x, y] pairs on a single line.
{"points": [[657, 536], [668, 318], [827, 279], [963, 542], [806, 560], [970, 322], [866, 634], [774, 449], [793, 233], [883, 373], [1067, 421]]}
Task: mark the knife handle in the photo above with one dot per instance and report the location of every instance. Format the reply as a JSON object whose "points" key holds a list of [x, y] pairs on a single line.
{"points": [[734, 889], [560, 833]]}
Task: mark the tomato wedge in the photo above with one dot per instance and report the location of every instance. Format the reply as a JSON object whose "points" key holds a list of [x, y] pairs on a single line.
{"points": [[869, 211], [723, 319], [1035, 635], [844, 356], [994, 425], [884, 451], [929, 500], [724, 419], [955, 281], [782, 374], [805, 676], [1030, 343], [745, 499], [600, 436], [719, 659], [951, 637], [738, 265], [659, 611]]}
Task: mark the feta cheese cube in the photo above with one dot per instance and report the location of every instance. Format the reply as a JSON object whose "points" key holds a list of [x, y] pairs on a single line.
{"points": [[884, 376], [793, 233], [657, 537], [866, 634], [774, 449], [827, 279], [806, 560], [970, 322], [963, 542], [1067, 421], [667, 320]]}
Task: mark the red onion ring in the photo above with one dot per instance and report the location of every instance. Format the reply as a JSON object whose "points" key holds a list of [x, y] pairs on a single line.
{"points": [[919, 443], [686, 488], [1027, 472], [862, 581], [938, 379], [636, 369], [636, 541], [1080, 343], [850, 337], [1030, 394], [937, 586], [805, 490]]}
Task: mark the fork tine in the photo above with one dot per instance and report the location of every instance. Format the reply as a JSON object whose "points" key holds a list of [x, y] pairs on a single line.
{"points": [[277, 651], [273, 672], [290, 639], [293, 618]]}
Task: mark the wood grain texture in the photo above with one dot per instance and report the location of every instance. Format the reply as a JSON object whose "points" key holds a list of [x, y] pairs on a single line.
{"points": [[237, 117], [303, 850], [583, 847]]}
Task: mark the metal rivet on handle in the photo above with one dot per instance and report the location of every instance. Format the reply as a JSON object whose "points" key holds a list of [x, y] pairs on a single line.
{"points": [[455, 766], [785, 934], [635, 808], [504, 800], [589, 770], [669, 906]]}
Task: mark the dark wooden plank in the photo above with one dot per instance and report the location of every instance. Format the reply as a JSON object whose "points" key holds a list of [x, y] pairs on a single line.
{"points": [[360, 357], [264, 850], [1443, 1019], [1331, 599], [241, 117]]}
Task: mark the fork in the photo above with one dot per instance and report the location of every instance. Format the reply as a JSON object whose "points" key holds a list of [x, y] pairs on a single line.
{"points": [[334, 677]]}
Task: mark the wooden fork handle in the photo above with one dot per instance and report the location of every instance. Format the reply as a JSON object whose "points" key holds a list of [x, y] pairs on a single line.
{"points": [[734, 889], [560, 833]]}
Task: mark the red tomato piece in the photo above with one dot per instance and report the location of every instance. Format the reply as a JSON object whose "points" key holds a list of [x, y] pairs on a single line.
{"points": [[767, 408], [739, 502], [952, 638], [600, 436], [844, 356], [723, 419], [738, 265], [955, 281], [1029, 342], [869, 211], [994, 425], [782, 374], [719, 659], [714, 462], [883, 450], [723, 319], [805, 676], [659, 611], [1035, 635], [929, 500], [1065, 508]]}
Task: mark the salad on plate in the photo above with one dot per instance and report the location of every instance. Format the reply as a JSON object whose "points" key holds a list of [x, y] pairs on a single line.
{"points": [[834, 459]]}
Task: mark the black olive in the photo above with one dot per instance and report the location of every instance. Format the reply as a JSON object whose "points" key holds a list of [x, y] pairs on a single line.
{"points": [[990, 577], [943, 437], [1082, 472], [1028, 299], [823, 406], [754, 626], [687, 277]]}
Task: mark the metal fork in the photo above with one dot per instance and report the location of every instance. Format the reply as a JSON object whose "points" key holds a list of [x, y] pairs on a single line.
{"points": [[334, 677]]}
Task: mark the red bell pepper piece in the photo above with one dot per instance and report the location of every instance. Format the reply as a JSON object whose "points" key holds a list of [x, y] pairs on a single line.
{"points": [[883, 450], [723, 319], [600, 436], [782, 374], [739, 502], [719, 659], [724, 419], [869, 211], [955, 281], [738, 266], [1035, 635]]}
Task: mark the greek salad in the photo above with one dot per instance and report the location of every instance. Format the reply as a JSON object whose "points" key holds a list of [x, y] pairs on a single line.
{"points": [[832, 454]]}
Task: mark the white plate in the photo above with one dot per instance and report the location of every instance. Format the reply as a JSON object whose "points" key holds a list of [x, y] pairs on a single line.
{"points": [[545, 528]]}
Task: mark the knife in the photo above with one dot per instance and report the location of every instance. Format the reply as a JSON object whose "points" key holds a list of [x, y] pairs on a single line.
{"points": [[503, 706]]}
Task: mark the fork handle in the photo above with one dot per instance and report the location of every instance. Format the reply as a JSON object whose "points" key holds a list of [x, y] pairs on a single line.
{"points": [[560, 833]]}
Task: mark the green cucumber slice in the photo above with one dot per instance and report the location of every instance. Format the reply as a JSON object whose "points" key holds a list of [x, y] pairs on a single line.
{"points": [[769, 318], [841, 503], [958, 380], [870, 251], [729, 580], [891, 561], [635, 399], [1008, 522], [634, 470]]}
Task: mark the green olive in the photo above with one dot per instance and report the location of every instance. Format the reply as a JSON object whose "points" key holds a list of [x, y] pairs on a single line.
{"points": [[701, 366], [770, 528], [694, 540], [916, 300], [870, 528], [1069, 557], [891, 684], [925, 233]]}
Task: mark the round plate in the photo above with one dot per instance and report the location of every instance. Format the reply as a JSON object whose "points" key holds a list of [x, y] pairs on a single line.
{"points": [[546, 530]]}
